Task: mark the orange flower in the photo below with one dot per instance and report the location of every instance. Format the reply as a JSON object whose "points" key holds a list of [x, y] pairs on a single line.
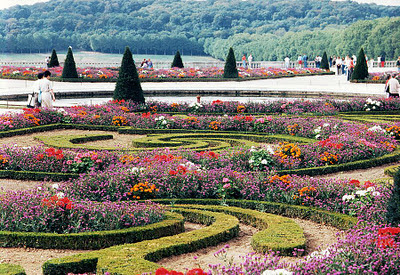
{"points": [[119, 121], [214, 125]]}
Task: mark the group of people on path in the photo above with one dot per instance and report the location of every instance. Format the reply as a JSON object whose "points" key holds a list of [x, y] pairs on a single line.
{"points": [[43, 95], [146, 64], [247, 61], [343, 65]]}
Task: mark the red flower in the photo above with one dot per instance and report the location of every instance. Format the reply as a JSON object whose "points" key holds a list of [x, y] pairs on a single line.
{"points": [[355, 182], [196, 271], [368, 184], [59, 156], [39, 156], [50, 152]]}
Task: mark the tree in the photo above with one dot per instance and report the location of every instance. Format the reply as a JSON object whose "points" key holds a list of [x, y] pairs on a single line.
{"points": [[361, 68], [53, 60], [128, 84], [177, 62], [230, 70], [324, 62], [393, 206], [69, 70]]}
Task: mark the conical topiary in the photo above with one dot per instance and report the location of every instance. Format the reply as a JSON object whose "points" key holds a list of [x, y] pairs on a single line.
{"points": [[177, 62], [230, 70], [53, 60], [69, 70], [361, 69], [324, 62], [128, 84], [393, 205]]}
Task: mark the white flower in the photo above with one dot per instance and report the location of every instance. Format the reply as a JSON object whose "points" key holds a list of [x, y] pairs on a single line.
{"points": [[317, 130], [361, 193], [368, 109], [270, 150], [61, 110], [317, 136], [60, 195], [135, 170], [251, 161], [369, 101], [253, 149], [376, 193], [164, 122], [39, 188], [373, 107], [326, 125], [55, 186], [371, 189], [27, 148], [348, 197], [376, 128], [277, 272], [264, 161], [320, 254]]}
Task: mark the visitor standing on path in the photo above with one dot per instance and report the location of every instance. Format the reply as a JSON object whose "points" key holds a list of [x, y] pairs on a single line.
{"points": [[36, 90], [350, 69], [244, 61], [392, 86], [299, 61], [46, 88], [250, 59], [287, 62], [305, 59]]}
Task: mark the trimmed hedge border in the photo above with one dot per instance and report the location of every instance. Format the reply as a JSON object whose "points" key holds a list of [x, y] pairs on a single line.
{"points": [[277, 233], [173, 224], [134, 258], [140, 257], [11, 269], [359, 164], [340, 221], [391, 170]]}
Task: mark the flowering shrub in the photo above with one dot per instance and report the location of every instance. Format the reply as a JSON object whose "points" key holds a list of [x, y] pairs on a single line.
{"points": [[143, 191], [40, 211]]}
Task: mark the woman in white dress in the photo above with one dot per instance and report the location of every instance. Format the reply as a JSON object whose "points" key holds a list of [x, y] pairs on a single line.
{"points": [[47, 91]]}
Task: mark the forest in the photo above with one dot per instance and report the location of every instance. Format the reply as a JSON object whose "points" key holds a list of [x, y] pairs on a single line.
{"points": [[268, 29]]}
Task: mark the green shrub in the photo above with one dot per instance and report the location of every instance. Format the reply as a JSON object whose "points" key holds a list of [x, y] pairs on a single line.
{"points": [[361, 68], [173, 224], [324, 62], [69, 70], [128, 84], [140, 257], [230, 70], [54, 59], [177, 62], [11, 269]]}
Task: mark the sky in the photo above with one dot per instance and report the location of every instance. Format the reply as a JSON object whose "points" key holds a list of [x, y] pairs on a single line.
{"points": [[9, 3]]}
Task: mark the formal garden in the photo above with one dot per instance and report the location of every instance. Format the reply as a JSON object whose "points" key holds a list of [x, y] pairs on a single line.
{"points": [[121, 182]]}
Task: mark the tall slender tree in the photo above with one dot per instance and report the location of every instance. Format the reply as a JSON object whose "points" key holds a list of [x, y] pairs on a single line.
{"points": [[361, 69], [230, 70], [69, 70], [177, 62], [128, 84], [53, 60], [324, 62]]}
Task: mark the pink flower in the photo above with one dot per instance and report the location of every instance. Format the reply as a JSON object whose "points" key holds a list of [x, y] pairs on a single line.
{"points": [[226, 186], [69, 162], [224, 180]]}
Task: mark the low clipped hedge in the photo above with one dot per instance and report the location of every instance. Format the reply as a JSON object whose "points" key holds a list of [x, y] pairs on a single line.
{"points": [[37, 176], [140, 257], [173, 224], [11, 269], [277, 233], [391, 170], [340, 221], [359, 164]]}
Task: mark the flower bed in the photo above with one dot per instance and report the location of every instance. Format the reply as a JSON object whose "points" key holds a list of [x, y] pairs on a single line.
{"points": [[378, 77], [111, 74]]}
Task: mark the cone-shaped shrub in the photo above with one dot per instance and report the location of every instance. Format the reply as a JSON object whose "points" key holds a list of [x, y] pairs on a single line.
{"points": [[361, 68], [177, 62], [393, 206], [53, 60], [324, 62], [128, 84], [69, 70], [230, 70]]}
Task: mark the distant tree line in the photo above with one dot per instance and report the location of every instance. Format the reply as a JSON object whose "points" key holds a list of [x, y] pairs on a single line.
{"points": [[194, 27]]}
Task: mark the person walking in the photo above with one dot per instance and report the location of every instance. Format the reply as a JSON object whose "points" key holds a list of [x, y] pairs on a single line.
{"points": [[392, 86], [36, 90], [46, 88], [299, 60], [383, 61], [250, 59], [350, 69], [244, 61], [305, 60], [338, 65], [287, 62]]}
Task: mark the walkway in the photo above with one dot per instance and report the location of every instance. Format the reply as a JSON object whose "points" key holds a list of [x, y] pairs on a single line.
{"points": [[314, 86]]}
